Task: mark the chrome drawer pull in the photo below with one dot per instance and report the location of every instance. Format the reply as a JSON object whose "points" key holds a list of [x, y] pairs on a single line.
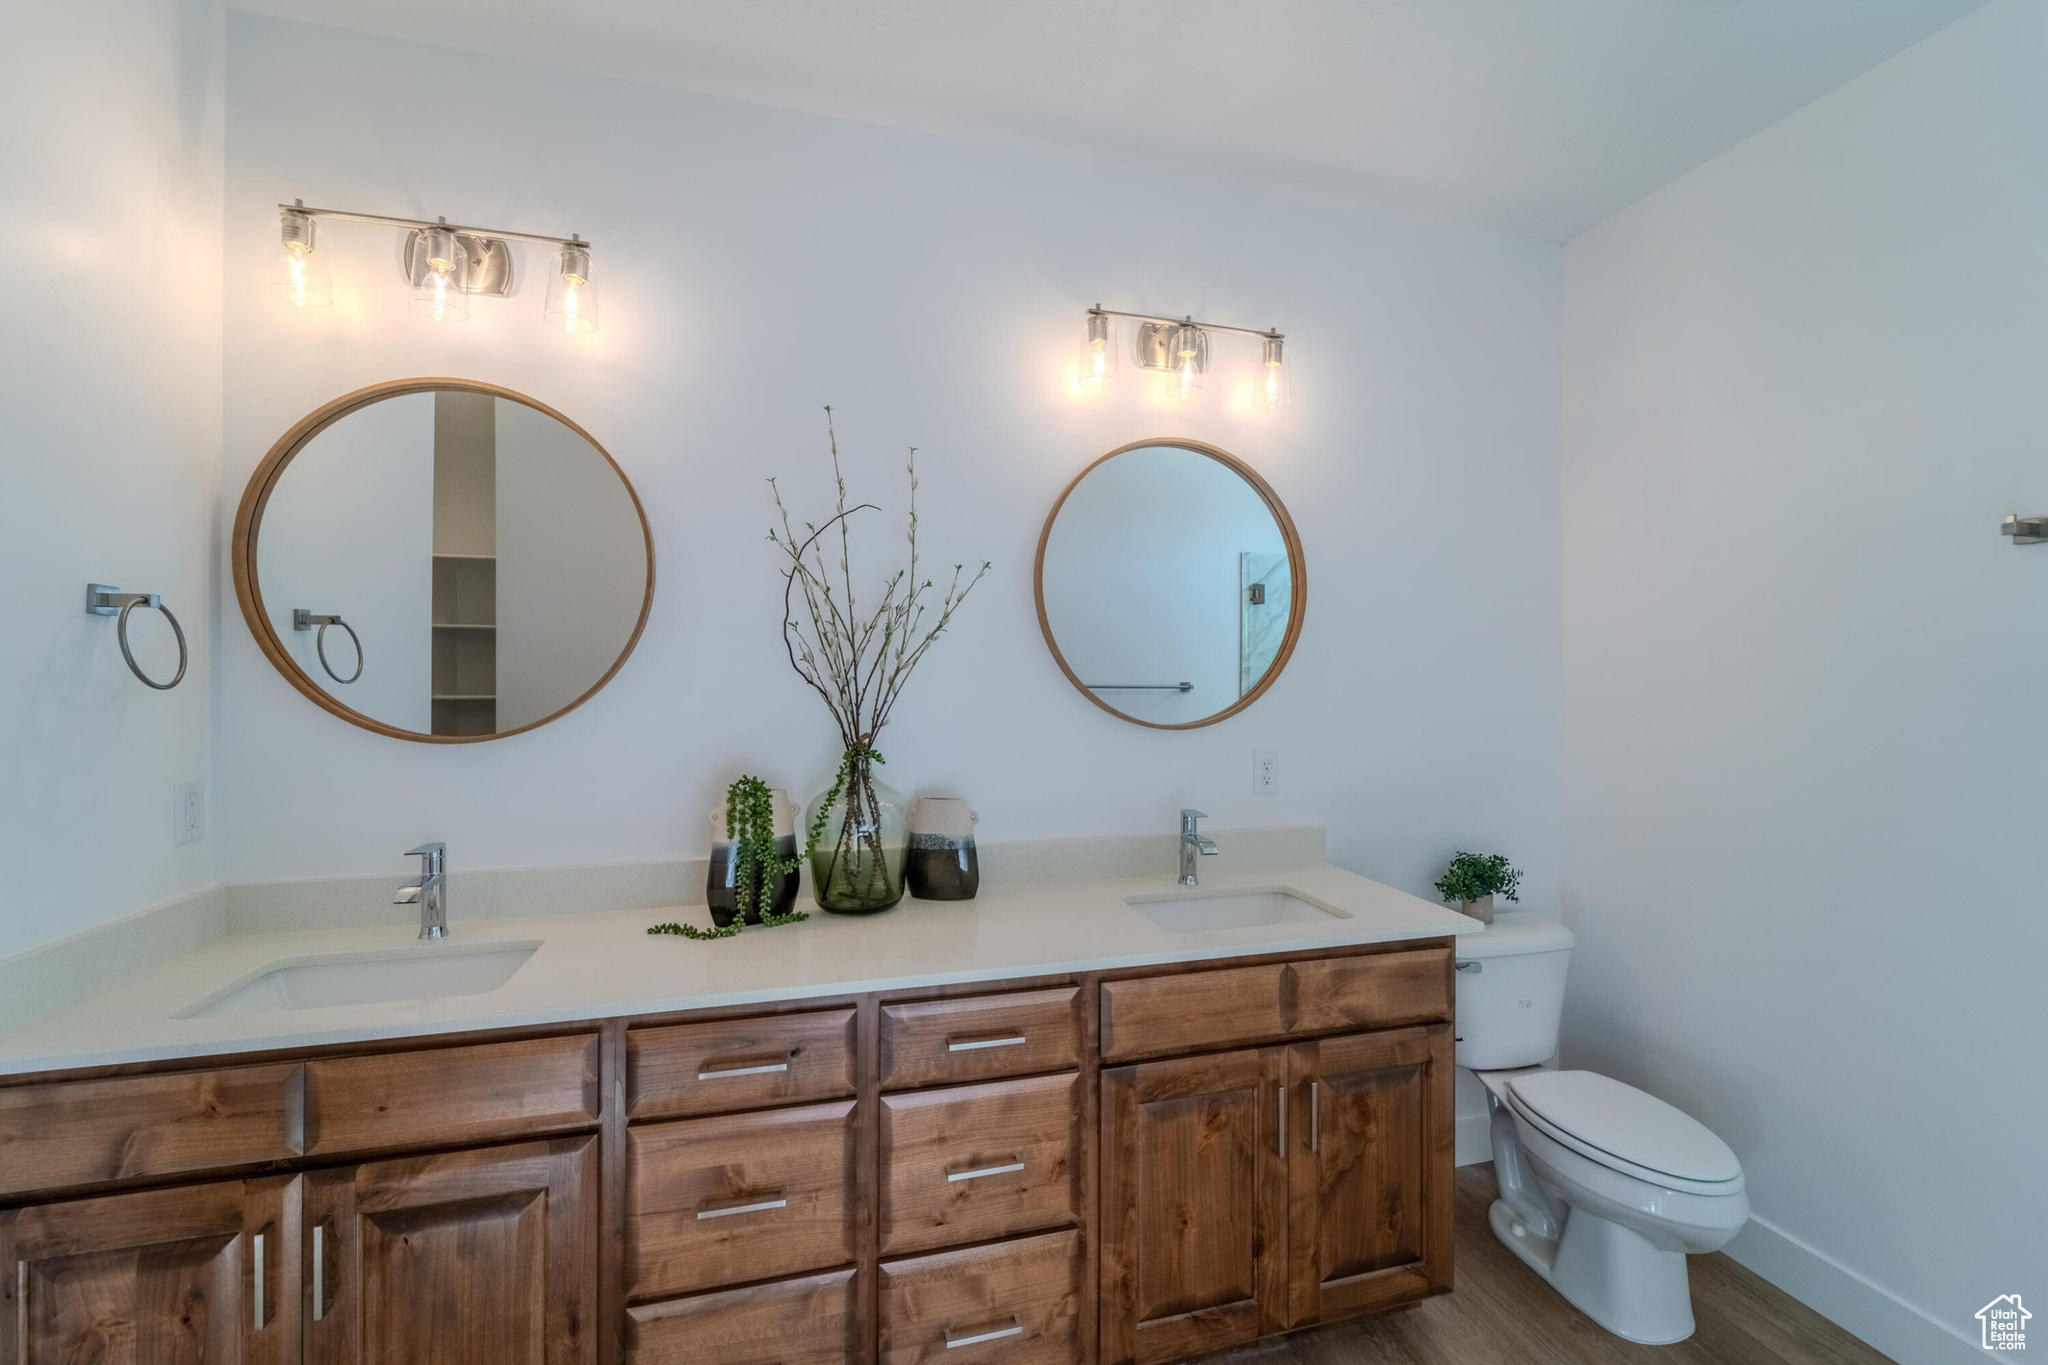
{"points": [[712, 1073], [977, 1044], [1007, 1168], [257, 1268], [1015, 1329], [759, 1206], [319, 1275]]}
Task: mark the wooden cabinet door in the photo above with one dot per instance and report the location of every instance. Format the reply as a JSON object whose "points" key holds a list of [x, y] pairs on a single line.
{"points": [[1369, 1218], [202, 1273], [1194, 1205], [485, 1257]]}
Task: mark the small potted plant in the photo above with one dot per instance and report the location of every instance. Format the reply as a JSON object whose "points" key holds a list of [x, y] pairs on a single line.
{"points": [[1474, 879], [754, 863]]}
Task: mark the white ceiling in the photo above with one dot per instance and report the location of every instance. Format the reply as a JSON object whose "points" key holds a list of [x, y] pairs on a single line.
{"points": [[1532, 116]]}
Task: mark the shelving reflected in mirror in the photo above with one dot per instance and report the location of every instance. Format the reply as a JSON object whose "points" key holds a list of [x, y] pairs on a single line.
{"points": [[1171, 584], [443, 561]]}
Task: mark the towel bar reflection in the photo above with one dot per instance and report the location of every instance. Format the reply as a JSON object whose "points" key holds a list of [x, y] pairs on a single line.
{"points": [[1140, 687], [302, 619], [103, 599]]}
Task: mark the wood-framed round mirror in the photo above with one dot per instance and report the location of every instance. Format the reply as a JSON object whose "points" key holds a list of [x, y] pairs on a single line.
{"points": [[443, 561], [1171, 583]]}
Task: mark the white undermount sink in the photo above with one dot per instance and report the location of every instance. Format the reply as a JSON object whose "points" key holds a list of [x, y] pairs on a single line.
{"points": [[424, 973], [1191, 911]]}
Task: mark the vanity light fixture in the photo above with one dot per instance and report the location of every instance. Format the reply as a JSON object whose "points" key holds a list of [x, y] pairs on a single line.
{"points": [[1179, 349], [1097, 369], [572, 298], [301, 276], [444, 265]]}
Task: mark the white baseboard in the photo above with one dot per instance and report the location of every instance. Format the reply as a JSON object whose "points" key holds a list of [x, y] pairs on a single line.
{"points": [[1475, 1139], [1901, 1330]]}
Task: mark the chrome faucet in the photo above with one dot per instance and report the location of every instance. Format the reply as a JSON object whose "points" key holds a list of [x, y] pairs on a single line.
{"points": [[430, 891], [1192, 844]]}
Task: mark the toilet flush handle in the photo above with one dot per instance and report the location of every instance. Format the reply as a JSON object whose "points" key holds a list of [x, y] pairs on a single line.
{"points": [[1469, 965]]}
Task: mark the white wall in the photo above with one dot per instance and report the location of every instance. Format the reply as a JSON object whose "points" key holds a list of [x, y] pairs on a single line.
{"points": [[1806, 680], [759, 264], [1141, 578], [349, 532], [109, 470]]}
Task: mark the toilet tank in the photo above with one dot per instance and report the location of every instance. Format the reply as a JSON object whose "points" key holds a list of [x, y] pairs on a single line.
{"points": [[1511, 991]]}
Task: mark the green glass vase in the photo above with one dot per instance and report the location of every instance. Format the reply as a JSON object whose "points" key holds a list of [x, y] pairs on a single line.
{"points": [[857, 867]]}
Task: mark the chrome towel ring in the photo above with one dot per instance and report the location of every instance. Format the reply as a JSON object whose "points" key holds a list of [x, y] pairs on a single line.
{"points": [[303, 619], [102, 599]]}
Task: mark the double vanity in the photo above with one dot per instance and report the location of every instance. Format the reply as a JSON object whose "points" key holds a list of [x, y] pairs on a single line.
{"points": [[1116, 1119]]}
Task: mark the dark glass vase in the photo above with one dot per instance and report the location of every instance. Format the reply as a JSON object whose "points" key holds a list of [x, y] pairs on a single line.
{"points": [[857, 867], [721, 889]]}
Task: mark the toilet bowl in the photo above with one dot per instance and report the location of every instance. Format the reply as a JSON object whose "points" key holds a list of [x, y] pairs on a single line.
{"points": [[1604, 1189]]}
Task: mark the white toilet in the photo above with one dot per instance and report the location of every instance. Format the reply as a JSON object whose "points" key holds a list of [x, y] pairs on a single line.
{"points": [[1604, 1190]]}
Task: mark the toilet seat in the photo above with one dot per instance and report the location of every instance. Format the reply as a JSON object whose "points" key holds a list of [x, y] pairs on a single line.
{"points": [[1625, 1130]]}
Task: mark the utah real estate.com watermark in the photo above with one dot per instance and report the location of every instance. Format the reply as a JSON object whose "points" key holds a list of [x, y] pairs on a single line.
{"points": [[2004, 1320]]}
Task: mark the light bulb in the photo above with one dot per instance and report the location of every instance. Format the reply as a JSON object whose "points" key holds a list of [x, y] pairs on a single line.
{"points": [[1187, 352], [572, 298], [440, 269], [1097, 368], [300, 277], [1273, 388]]}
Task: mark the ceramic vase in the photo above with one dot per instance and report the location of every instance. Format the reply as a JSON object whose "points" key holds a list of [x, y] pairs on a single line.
{"points": [[721, 886], [942, 864], [1481, 909], [857, 867]]}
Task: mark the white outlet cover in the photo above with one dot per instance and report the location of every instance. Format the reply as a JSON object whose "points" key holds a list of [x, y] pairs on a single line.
{"points": [[188, 812], [1265, 772]]}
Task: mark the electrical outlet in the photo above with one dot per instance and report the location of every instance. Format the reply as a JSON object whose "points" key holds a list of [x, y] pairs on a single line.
{"points": [[188, 812], [1265, 772]]}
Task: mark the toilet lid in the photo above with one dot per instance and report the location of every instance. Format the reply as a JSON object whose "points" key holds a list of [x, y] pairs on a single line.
{"points": [[1599, 1115]]}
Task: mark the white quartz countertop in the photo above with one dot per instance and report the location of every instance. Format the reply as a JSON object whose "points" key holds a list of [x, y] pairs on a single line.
{"points": [[605, 964]]}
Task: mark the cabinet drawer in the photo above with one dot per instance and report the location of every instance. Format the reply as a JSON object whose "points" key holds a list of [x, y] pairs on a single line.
{"points": [[796, 1322], [451, 1095], [1201, 1010], [1015, 1302], [731, 1064], [979, 1161], [740, 1197], [70, 1134], [932, 1042], [1191, 1012], [1376, 990]]}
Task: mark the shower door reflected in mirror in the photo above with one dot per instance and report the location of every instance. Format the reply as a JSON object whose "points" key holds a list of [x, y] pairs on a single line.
{"points": [[443, 561], [1170, 584]]}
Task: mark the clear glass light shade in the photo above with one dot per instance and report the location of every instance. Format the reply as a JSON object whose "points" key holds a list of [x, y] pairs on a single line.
{"points": [[1273, 385], [572, 298], [1097, 367], [441, 265], [1184, 381], [300, 278]]}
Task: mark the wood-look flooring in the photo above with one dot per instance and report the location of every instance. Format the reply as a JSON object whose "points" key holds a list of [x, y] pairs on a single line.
{"points": [[1504, 1314]]}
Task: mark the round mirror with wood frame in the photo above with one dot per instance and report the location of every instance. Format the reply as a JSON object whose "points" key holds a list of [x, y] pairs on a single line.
{"points": [[1171, 583], [443, 561]]}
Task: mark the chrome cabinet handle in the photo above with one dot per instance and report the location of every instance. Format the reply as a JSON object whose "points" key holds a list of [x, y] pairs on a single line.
{"points": [[955, 1340], [256, 1277], [977, 1172], [1280, 1103], [319, 1272], [977, 1044], [752, 1206], [1315, 1116], [712, 1073]]}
